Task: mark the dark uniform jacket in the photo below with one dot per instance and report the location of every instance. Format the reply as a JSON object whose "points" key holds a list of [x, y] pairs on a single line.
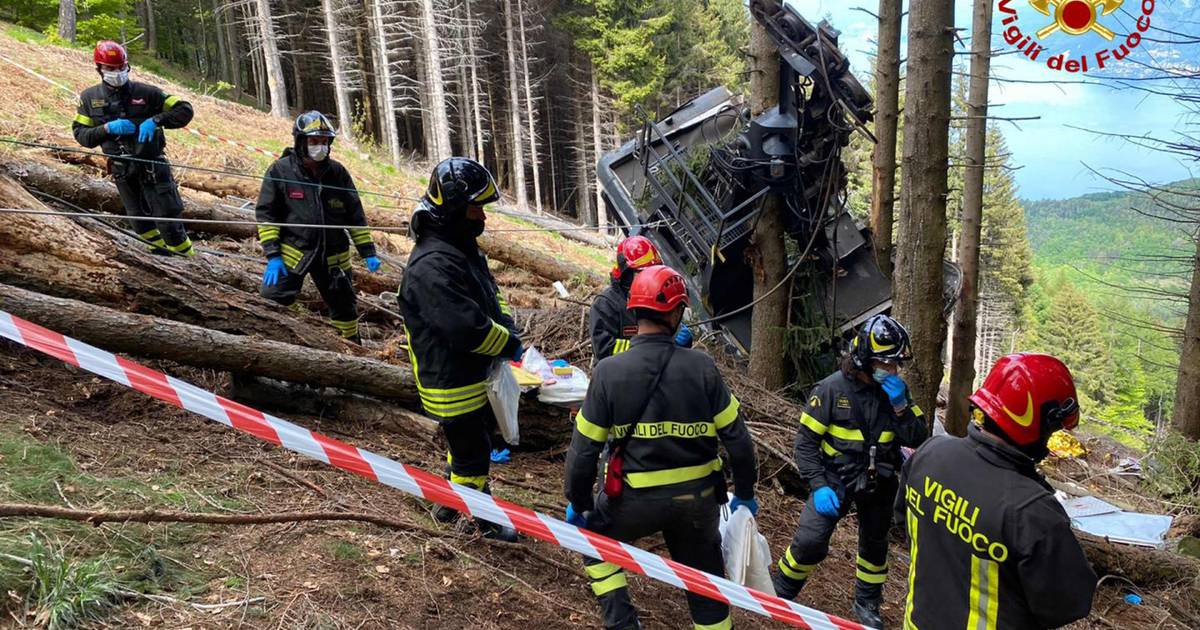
{"points": [[290, 194], [991, 547], [675, 440], [612, 324], [457, 324], [844, 418], [135, 102]]}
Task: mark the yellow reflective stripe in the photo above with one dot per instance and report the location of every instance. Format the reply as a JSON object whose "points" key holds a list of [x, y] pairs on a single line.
{"points": [[727, 415], [291, 255], [672, 475], [793, 569], [182, 247], [472, 482], [268, 233], [84, 120], [886, 436], [985, 582], [337, 258], [450, 410], [360, 236], [593, 432], [917, 411], [829, 450], [170, 102], [601, 570], [346, 328], [505, 309], [449, 395], [724, 624], [609, 584], [871, 578], [619, 346], [812, 423], [494, 342], [655, 430], [842, 433], [874, 568], [912, 568]]}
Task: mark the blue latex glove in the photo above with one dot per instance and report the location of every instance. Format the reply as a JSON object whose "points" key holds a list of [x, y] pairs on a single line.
{"points": [[373, 263], [897, 390], [575, 518], [684, 336], [275, 270], [519, 352], [826, 501], [751, 505], [501, 456], [120, 127], [146, 130]]}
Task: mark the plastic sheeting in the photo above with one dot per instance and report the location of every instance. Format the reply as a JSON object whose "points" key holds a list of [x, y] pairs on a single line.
{"points": [[1100, 518]]}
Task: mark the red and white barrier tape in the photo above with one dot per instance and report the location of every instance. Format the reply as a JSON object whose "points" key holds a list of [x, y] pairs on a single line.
{"points": [[407, 478], [230, 142]]}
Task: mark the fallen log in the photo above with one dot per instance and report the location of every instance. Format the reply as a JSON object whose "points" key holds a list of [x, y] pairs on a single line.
{"points": [[1144, 566], [542, 426], [58, 256], [97, 194], [566, 229]]}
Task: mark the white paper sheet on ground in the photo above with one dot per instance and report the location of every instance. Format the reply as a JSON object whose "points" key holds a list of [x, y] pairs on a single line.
{"points": [[1106, 520]]}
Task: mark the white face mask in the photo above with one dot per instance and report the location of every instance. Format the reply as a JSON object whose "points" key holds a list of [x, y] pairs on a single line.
{"points": [[116, 78], [318, 152]]}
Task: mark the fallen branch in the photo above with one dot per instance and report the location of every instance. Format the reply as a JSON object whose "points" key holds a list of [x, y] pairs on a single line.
{"points": [[151, 515]]}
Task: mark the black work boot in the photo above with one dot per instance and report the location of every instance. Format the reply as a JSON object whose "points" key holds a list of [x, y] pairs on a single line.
{"points": [[496, 532], [867, 611]]}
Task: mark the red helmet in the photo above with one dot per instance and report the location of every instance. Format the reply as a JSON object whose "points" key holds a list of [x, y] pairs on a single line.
{"points": [[658, 288], [1028, 396], [635, 252], [110, 53]]}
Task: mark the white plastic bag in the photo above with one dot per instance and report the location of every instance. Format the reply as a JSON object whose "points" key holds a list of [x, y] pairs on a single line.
{"points": [[505, 397], [747, 555], [534, 363], [565, 390]]}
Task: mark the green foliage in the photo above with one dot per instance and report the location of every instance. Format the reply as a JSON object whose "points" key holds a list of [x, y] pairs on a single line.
{"points": [[63, 592], [32, 14], [1174, 469], [347, 551], [659, 53]]}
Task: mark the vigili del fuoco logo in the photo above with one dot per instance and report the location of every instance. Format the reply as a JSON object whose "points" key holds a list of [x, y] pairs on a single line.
{"points": [[1050, 31]]}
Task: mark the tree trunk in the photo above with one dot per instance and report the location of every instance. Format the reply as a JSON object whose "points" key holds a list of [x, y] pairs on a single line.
{"points": [[917, 289], [66, 20], [383, 69], [273, 66], [341, 86], [235, 65], [533, 154], [514, 111], [583, 190], [222, 46], [597, 148], [467, 126], [887, 114], [768, 256], [1187, 388], [473, 59], [962, 353], [435, 83], [151, 28]]}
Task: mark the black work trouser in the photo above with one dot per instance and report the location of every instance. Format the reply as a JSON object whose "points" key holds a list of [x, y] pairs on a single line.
{"points": [[149, 190], [336, 288], [687, 515], [469, 439], [810, 544]]}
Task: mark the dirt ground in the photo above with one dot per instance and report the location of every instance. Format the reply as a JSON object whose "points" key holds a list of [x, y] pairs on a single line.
{"points": [[347, 574]]}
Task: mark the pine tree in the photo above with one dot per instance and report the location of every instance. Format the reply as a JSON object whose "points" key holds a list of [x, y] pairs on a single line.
{"points": [[1006, 264], [1072, 333]]}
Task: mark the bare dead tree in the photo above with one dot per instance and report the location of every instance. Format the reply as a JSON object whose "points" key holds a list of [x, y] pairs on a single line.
{"points": [[887, 116]]}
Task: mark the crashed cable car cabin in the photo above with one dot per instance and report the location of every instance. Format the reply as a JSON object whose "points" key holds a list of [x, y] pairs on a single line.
{"points": [[695, 181]]}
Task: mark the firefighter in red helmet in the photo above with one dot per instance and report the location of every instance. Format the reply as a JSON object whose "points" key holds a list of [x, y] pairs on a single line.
{"points": [[661, 410], [125, 119], [991, 547], [611, 323]]}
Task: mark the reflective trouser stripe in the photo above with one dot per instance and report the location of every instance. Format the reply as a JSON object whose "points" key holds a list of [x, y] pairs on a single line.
{"points": [[985, 587], [346, 328], [184, 248], [154, 237], [870, 572], [912, 569], [724, 624], [792, 569], [476, 482], [871, 578]]}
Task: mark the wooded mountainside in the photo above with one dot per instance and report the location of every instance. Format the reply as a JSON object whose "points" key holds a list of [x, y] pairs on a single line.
{"points": [[536, 89]]}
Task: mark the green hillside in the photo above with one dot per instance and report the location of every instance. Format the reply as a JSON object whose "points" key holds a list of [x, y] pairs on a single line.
{"points": [[1107, 236]]}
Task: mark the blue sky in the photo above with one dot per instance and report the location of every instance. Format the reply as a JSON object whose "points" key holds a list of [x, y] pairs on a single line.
{"points": [[1053, 156]]}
